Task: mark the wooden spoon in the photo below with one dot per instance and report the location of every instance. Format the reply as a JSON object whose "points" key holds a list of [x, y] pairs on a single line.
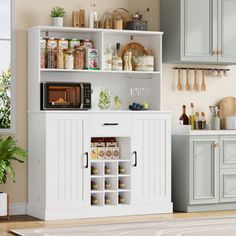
{"points": [[179, 85], [195, 86], [187, 86], [203, 86]]}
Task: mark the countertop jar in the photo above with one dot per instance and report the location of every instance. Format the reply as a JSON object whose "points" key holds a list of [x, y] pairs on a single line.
{"points": [[69, 59]]}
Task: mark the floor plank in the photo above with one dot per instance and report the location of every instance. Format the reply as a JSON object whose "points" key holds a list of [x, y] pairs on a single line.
{"points": [[19, 222]]}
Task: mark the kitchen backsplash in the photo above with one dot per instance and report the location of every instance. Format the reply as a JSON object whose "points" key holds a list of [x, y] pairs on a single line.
{"points": [[217, 89]]}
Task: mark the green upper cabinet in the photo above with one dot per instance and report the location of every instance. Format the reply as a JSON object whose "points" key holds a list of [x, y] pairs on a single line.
{"points": [[199, 31], [227, 30]]}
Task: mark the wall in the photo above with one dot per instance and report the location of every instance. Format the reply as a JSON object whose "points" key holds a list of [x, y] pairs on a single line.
{"points": [[30, 13]]}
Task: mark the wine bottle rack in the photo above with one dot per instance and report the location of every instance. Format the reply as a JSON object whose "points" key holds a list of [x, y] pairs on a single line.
{"points": [[110, 182]]}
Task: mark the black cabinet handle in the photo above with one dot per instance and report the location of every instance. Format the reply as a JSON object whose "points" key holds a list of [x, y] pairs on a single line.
{"points": [[135, 159], [111, 124], [87, 160]]}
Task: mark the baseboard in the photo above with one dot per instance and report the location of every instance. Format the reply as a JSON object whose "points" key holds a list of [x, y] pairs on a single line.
{"points": [[18, 208]]}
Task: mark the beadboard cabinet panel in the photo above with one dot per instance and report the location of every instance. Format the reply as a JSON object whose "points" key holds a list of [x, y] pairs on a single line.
{"points": [[65, 161], [151, 176]]}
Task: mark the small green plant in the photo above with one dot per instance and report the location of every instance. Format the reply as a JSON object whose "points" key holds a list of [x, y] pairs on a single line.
{"points": [[58, 12], [5, 99], [9, 151]]}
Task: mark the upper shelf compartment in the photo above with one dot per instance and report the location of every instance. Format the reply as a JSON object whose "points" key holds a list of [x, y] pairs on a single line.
{"points": [[150, 42]]}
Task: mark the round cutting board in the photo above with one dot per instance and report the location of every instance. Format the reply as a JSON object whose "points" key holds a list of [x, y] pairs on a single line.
{"points": [[227, 108]]}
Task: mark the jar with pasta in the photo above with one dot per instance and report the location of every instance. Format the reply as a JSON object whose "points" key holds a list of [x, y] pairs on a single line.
{"points": [[79, 58], [69, 59], [51, 58], [60, 58]]}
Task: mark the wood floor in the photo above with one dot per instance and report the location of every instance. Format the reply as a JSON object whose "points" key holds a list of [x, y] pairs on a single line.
{"points": [[17, 222]]}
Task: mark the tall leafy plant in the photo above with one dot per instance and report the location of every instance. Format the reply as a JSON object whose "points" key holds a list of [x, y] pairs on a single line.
{"points": [[9, 151], [5, 99]]}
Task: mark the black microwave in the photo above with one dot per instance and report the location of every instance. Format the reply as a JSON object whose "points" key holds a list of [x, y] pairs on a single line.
{"points": [[65, 96]]}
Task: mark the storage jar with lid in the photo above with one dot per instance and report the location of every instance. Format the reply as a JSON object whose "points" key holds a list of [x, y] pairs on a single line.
{"points": [[79, 58], [69, 59]]}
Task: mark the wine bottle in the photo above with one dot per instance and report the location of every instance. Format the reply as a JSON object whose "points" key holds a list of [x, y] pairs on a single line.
{"points": [[184, 120], [191, 116]]}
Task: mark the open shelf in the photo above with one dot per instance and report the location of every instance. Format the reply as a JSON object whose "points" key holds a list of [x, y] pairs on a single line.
{"points": [[100, 71]]}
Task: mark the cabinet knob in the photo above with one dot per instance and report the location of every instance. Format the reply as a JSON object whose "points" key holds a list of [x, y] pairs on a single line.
{"points": [[214, 53], [217, 145]]}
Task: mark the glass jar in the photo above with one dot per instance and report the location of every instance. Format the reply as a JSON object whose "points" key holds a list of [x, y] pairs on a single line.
{"points": [[69, 59], [51, 58], [118, 22], [42, 53], [60, 58], [108, 21], [79, 58]]}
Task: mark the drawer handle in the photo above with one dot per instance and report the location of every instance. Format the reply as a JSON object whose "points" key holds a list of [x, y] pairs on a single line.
{"points": [[111, 124]]}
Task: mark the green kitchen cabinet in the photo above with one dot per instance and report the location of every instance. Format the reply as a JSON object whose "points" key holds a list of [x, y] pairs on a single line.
{"points": [[199, 31], [204, 171]]}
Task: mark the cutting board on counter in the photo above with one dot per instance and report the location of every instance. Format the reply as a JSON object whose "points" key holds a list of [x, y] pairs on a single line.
{"points": [[227, 108]]}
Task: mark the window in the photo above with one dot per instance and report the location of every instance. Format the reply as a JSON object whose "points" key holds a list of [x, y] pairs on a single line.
{"points": [[6, 67]]}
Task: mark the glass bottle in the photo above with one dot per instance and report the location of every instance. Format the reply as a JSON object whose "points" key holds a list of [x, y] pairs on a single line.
{"points": [[184, 120], [191, 116], [117, 63], [203, 120], [196, 121], [107, 58]]}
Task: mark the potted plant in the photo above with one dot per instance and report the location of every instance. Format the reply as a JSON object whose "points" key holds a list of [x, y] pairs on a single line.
{"points": [[9, 152], [57, 14]]}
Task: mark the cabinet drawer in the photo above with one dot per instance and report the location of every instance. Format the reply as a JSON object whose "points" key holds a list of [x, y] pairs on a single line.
{"points": [[110, 125]]}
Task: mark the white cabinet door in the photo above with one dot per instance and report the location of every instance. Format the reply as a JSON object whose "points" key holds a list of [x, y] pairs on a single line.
{"points": [[204, 170], [226, 30], [67, 169], [151, 170], [198, 30]]}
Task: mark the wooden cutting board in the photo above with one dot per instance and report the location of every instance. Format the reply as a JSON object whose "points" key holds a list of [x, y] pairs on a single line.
{"points": [[227, 108]]}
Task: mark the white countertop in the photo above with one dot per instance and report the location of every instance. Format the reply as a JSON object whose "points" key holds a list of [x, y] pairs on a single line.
{"points": [[186, 130]]}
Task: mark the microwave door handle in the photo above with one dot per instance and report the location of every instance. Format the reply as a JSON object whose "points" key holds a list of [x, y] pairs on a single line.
{"points": [[82, 96]]}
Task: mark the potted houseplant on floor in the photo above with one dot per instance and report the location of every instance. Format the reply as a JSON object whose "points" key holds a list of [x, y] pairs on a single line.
{"points": [[57, 14], [9, 152]]}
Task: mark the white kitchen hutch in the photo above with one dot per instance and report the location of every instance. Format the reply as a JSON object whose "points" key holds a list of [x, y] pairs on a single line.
{"points": [[59, 180]]}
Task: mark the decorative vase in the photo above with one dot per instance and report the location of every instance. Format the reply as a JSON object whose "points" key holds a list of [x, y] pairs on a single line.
{"points": [[57, 21]]}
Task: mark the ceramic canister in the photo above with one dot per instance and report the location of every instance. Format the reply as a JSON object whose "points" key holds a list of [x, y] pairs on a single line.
{"points": [[231, 122], [144, 63]]}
